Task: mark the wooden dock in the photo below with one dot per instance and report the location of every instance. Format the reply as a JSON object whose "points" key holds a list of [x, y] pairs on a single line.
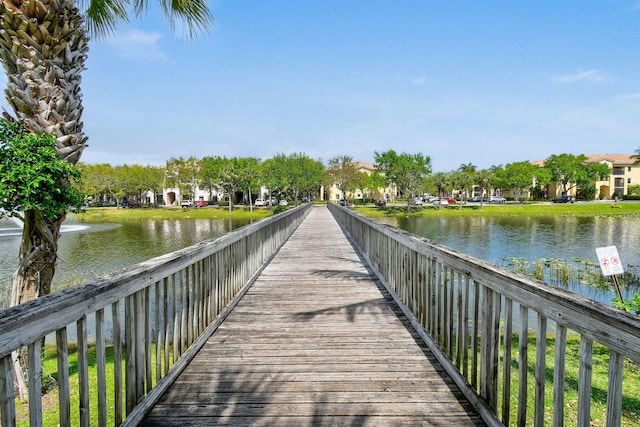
{"points": [[316, 341]]}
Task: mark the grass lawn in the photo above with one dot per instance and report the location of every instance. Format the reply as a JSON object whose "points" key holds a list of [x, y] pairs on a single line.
{"points": [[124, 215], [508, 209], [630, 389], [630, 405]]}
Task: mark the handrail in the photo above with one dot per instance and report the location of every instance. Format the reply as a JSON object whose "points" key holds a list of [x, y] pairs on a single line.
{"points": [[155, 315], [471, 312]]}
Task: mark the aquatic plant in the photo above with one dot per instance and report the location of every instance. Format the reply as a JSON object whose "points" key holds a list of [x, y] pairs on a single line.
{"points": [[581, 272]]}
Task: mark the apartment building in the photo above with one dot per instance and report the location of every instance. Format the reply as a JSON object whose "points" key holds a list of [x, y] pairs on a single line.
{"points": [[624, 173], [333, 193]]}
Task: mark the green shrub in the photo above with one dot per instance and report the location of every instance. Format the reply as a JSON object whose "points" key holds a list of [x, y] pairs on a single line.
{"points": [[278, 209]]}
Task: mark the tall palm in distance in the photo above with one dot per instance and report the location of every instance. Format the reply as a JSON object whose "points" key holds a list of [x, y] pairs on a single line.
{"points": [[43, 49]]}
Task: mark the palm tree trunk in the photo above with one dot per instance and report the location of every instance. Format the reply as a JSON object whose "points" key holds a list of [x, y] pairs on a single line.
{"points": [[37, 257], [43, 48]]}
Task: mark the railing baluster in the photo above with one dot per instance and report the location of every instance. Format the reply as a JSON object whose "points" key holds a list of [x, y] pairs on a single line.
{"points": [[541, 371], [451, 309], [83, 371], [523, 369], [101, 371], [475, 335], [35, 383], [117, 362], [175, 295], [489, 349], [559, 375], [465, 328], [159, 303], [459, 319], [64, 404], [506, 364], [166, 315], [7, 397], [148, 333], [614, 392], [584, 381], [130, 353]]}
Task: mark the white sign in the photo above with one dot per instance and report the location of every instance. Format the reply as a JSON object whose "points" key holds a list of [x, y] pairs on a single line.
{"points": [[609, 259]]}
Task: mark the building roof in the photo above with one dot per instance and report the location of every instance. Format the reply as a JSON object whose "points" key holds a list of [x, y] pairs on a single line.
{"points": [[615, 159], [364, 165]]}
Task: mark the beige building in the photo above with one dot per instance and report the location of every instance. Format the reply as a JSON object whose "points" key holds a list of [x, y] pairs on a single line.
{"points": [[333, 193], [624, 172]]}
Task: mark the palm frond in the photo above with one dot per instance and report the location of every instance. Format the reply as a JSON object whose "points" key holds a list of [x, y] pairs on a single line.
{"points": [[104, 16]]}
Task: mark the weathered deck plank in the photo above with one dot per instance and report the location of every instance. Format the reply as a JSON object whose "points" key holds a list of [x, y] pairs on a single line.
{"points": [[315, 341]]}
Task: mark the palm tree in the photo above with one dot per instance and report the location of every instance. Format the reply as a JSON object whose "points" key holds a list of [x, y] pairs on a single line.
{"points": [[43, 48], [637, 156], [465, 177], [483, 180]]}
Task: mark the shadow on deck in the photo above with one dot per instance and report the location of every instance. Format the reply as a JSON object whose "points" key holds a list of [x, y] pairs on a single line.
{"points": [[315, 341]]}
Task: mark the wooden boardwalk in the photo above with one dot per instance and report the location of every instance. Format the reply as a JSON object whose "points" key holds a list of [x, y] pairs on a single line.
{"points": [[316, 341]]}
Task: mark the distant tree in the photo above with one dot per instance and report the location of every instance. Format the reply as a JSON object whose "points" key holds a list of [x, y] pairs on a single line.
{"points": [[637, 156], [230, 181], [483, 179], [304, 175], [183, 174], [274, 174], [372, 183], [440, 181], [99, 181], [464, 180], [585, 179], [249, 175], [571, 171], [518, 177], [209, 176], [136, 180], [343, 174], [407, 171]]}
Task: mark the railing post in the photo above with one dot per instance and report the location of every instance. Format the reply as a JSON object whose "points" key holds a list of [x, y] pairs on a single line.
{"points": [[490, 345], [7, 398]]}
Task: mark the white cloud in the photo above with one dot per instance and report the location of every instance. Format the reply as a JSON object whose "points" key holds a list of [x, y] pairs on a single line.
{"points": [[139, 45], [419, 80], [630, 96], [589, 76]]}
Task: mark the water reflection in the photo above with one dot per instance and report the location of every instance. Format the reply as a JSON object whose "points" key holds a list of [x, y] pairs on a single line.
{"points": [[532, 239], [89, 251]]}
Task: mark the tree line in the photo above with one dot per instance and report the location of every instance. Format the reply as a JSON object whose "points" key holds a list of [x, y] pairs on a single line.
{"points": [[297, 176]]}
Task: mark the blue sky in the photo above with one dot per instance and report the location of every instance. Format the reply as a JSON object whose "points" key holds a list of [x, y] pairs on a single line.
{"points": [[489, 82]]}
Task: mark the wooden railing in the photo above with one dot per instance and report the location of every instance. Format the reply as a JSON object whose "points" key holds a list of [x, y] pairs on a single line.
{"points": [[472, 314], [152, 318]]}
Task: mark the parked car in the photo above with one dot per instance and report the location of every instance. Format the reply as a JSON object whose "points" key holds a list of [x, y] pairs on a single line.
{"points": [[270, 202], [381, 202], [343, 202], [417, 201], [444, 202], [259, 202], [564, 199], [201, 203], [283, 202], [497, 199], [479, 199], [186, 204]]}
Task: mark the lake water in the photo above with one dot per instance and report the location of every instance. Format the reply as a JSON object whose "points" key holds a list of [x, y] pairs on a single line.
{"points": [[87, 251], [90, 250], [566, 238]]}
